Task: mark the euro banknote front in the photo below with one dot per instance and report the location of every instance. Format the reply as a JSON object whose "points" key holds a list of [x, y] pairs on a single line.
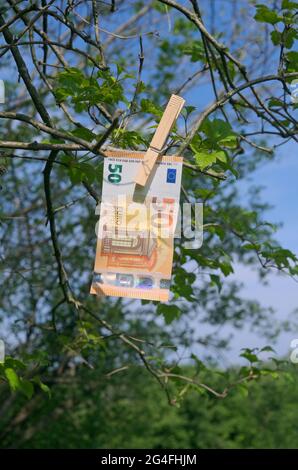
{"points": [[135, 233]]}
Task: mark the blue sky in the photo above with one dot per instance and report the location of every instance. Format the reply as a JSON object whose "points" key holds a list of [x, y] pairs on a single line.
{"points": [[281, 189]]}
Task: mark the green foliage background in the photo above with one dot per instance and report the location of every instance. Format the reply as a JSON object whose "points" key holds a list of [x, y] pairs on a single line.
{"points": [[130, 411]]}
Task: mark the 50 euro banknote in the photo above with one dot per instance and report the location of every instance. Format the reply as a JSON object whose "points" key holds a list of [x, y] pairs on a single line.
{"points": [[135, 233]]}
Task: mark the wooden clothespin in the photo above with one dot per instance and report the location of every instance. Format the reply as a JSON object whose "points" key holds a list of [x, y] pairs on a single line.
{"points": [[164, 127]]}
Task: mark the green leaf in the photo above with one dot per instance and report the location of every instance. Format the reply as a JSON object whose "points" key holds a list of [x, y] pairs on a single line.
{"points": [[243, 390], [188, 110], [231, 70], [195, 49], [39, 357], [267, 349], [170, 312], [226, 268], [276, 37], [13, 363], [75, 175], [85, 91], [52, 141], [147, 106], [68, 159], [88, 172], [84, 133], [42, 386], [272, 373], [26, 388], [218, 230], [81, 171], [266, 15], [99, 172], [289, 5], [251, 246], [69, 83], [205, 158], [200, 366], [288, 37], [215, 279], [275, 103], [230, 141], [280, 256], [13, 379], [250, 356], [182, 286], [129, 139], [217, 131], [292, 61]]}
